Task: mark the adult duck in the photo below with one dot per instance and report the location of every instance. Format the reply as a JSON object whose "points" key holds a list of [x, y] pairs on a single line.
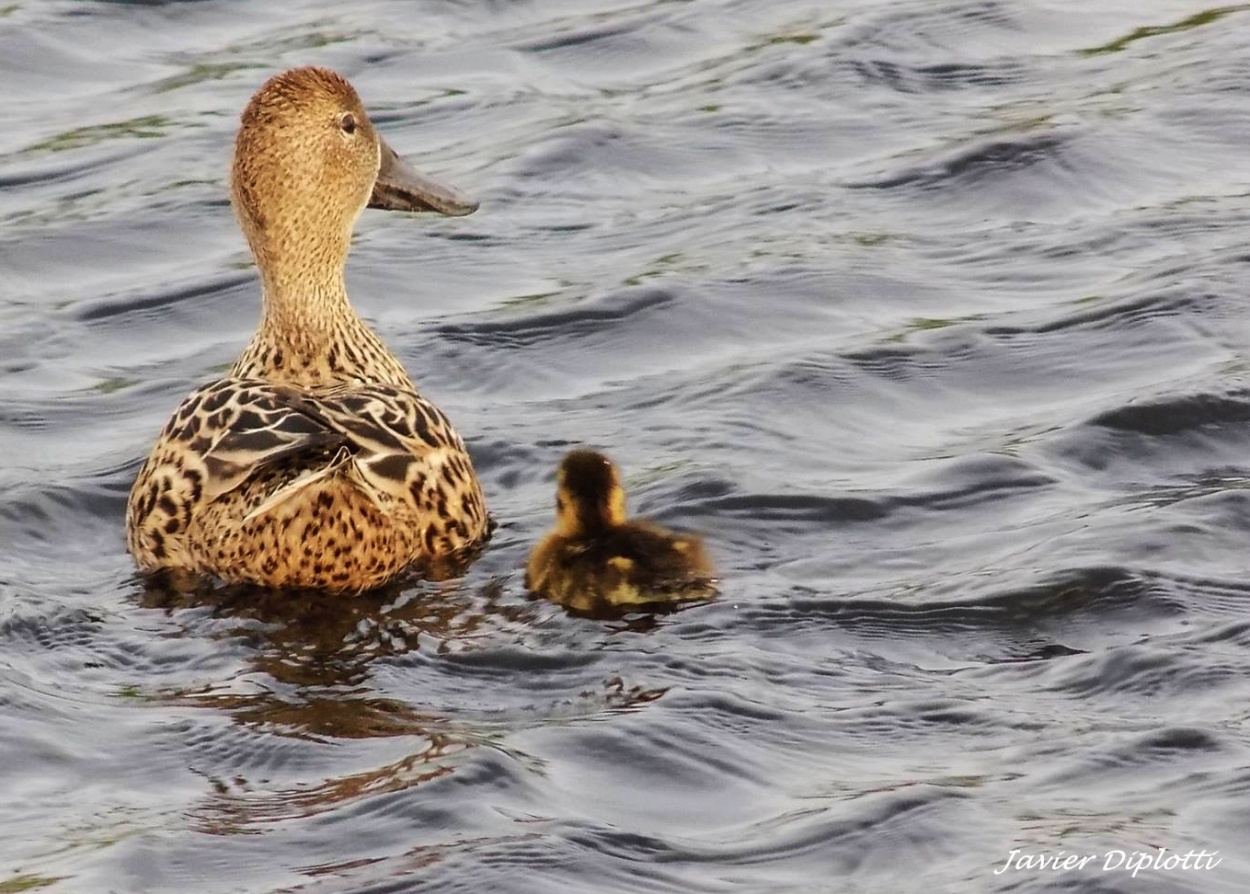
{"points": [[314, 463]]}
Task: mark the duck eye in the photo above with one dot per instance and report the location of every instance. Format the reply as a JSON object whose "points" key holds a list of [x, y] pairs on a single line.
{"points": [[348, 123]]}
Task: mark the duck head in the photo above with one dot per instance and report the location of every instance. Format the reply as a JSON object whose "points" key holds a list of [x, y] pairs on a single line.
{"points": [[589, 496], [307, 161]]}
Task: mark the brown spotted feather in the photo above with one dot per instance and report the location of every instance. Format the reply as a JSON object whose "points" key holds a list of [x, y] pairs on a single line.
{"points": [[340, 488]]}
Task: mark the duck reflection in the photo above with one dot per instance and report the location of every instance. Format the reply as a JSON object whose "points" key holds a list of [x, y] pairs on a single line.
{"points": [[306, 640], [237, 806], [312, 659]]}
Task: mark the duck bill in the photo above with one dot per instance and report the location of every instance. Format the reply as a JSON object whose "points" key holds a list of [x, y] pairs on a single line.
{"points": [[400, 187]]}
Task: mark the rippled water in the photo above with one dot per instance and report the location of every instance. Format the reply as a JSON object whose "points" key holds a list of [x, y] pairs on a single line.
{"points": [[932, 315]]}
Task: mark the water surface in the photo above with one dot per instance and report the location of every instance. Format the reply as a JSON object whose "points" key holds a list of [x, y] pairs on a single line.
{"points": [[931, 315]]}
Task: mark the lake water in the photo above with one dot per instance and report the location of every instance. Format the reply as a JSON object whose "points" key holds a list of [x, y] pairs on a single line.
{"points": [[932, 316]]}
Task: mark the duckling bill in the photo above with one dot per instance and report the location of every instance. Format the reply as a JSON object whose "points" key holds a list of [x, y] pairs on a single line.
{"points": [[596, 560], [314, 463]]}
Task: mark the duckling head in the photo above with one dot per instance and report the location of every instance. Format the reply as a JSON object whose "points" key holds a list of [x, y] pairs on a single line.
{"points": [[307, 161], [589, 496]]}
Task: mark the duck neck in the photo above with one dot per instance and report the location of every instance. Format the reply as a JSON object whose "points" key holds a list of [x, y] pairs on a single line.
{"points": [[589, 520], [310, 335], [301, 304]]}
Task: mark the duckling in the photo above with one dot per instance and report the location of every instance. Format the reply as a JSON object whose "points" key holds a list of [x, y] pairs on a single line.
{"points": [[596, 559], [314, 462]]}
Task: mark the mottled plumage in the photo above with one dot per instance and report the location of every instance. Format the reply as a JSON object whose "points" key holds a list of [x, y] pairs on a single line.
{"points": [[595, 560], [314, 462]]}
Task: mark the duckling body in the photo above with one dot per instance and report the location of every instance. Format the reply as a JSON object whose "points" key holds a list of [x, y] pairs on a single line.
{"points": [[597, 559], [314, 462]]}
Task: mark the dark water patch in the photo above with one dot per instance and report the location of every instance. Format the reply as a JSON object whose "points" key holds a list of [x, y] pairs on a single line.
{"points": [[966, 167], [147, 3], [799, 511], [1236, 634], [967, 481], [735, 712], [1066, 605], [578, 38], [874, 827], [890, 362], [1037, 651], [108, 653], [1122, 316], [961, 484], [582, 150], [532, 329], [30, 517], [919, 27], [946, 76], [221, 286], [59, 169], [1177, 739], [1181, 754], [1140, 670], [1195, 440], [677, 333], [649, 749], [71, 627], [1179, 414], [960, 716], [504, 662]]}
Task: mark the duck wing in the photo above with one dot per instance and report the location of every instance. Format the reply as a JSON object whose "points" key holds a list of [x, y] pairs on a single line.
{"points": [[240, 426], [398, 442], [389, 441]]}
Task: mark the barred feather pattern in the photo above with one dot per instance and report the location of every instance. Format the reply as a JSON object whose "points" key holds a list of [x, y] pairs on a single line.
{"points": [[340, 488]]}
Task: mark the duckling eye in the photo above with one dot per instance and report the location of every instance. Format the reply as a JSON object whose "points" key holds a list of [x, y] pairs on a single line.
{"points": [[348, 123]]}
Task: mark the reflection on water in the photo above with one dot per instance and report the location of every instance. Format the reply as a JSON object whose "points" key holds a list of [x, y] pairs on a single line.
{"points": [[311, 661], [308, 679], [304, 639], [929, 315]]}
